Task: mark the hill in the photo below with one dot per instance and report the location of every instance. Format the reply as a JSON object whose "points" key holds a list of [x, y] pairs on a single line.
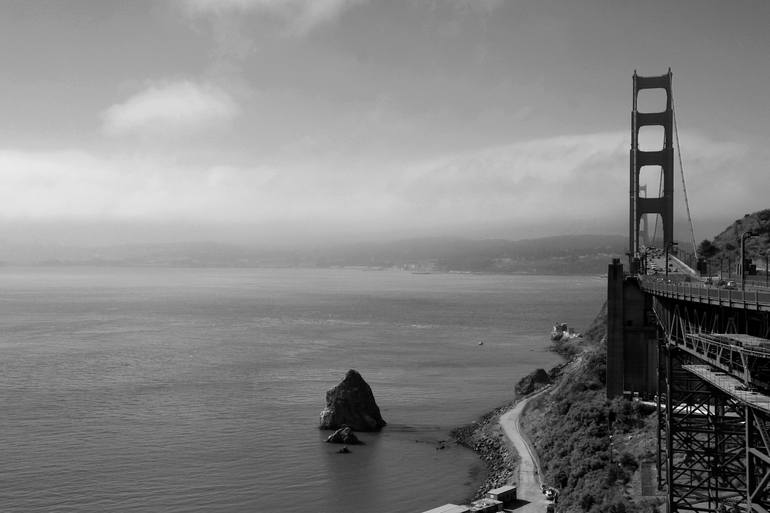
{"points": [[592, 449], [727, 244], [569, 254]]}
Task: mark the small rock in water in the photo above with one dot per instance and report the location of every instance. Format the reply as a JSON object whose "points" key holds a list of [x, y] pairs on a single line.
{"points": [[344, 435], [344, 450]]}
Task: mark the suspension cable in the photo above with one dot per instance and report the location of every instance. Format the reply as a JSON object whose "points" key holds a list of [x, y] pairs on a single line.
{"points": [[660, 195], [681, 172]]}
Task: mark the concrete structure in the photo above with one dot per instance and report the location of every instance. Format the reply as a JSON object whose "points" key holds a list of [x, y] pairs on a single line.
{"points": [[505, 494], [632, 341], [449, 508]]}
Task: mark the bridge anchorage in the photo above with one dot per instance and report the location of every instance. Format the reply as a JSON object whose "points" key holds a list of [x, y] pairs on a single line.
{"points": [[702, 352]]}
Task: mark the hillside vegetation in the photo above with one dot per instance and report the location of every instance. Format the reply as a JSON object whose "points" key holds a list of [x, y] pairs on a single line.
{"points": [[571, 426], [728, 243]]}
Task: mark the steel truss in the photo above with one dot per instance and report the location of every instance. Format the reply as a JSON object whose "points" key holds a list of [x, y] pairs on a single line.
{"points": [[713, 437]]}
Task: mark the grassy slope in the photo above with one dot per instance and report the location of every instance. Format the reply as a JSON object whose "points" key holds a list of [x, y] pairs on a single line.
{"points": [[570, 428]]}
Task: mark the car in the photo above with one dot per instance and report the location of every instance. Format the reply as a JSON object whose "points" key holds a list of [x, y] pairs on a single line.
{"points": [[730, 285]]}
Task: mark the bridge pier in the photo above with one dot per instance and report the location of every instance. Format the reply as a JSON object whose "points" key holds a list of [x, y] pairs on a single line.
{"points": [[631, 337]]}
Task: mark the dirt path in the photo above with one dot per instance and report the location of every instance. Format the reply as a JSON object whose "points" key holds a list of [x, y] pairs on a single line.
{"points": [[531, 499]]}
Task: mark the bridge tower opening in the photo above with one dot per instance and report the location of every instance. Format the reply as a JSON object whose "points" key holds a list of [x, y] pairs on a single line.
{"points": [[662, 158]]}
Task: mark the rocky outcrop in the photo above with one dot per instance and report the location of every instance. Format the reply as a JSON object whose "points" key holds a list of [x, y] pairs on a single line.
{"points": [[351, 403], [532, 382], [344, 435]]}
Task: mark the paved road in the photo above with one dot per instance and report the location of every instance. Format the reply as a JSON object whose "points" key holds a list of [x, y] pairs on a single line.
{"points": [[531, 499]]}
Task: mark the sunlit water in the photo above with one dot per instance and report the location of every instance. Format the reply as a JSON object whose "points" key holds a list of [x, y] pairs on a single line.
{"points": [[150, 390]]}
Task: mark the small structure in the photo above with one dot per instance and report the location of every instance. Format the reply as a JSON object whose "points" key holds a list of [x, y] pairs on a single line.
{"points": [[449, 508], [505, 494], [486, 505]]}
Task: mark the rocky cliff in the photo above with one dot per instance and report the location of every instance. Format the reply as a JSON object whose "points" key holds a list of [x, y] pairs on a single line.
{"points": [[352, 403]]}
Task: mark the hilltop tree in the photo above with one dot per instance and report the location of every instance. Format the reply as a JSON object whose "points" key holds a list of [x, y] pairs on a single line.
{"points": [[706, 249]]}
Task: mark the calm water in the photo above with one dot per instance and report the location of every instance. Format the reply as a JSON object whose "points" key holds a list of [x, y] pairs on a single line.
{"points": [[151, 390]]}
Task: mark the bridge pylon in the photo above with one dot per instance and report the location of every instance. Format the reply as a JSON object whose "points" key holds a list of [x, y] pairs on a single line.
{"points": [[663, 158]]}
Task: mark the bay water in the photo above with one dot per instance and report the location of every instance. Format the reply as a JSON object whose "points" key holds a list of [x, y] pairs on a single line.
{"points": [[199, 390]]}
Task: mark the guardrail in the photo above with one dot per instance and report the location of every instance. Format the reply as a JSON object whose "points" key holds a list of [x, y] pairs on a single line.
{"points": [[756, 299]]}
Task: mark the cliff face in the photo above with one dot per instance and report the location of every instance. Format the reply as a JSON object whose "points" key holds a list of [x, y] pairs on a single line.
{"points": [[352, 403]]}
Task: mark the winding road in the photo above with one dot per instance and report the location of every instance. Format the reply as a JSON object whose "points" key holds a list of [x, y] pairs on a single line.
{"points": [[528, 487]]}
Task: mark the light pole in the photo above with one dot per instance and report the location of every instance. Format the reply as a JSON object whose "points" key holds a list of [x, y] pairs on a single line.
{"points": [[668, 250], [744, 236]]}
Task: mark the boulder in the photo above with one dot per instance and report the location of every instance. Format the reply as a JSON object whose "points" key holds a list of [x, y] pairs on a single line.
{"points": [[532, 381], [351, 403], [344, 435]]}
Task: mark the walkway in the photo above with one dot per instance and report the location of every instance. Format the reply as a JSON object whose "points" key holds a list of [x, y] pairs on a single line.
{"points": [[528, 487]]}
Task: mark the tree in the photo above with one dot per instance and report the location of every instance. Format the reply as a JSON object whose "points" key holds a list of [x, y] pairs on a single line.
{"points": [[706, 249]]}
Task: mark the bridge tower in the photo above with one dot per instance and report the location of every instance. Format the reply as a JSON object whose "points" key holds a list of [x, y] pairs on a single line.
{"points": [[664, 158]]}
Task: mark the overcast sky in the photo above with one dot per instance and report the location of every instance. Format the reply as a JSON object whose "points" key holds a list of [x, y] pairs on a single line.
{"points": [[267, 120]]}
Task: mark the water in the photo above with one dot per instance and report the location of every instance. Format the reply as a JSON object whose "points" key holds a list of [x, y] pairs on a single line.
{"points": [[195, 390]]}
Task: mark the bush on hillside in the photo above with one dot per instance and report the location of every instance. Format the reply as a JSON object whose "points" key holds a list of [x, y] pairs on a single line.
{"points": [[571, 428]]}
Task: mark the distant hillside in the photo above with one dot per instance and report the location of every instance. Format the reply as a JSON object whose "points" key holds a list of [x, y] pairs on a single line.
{"points": [[728, 243], [569, 254], [549, 255]]}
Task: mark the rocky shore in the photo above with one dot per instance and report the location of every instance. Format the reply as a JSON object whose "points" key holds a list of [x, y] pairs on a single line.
{"points": [[486, 437]]}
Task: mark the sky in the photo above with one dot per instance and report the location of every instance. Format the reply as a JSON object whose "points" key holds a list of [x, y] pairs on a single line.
{"points": [[299, 121]]}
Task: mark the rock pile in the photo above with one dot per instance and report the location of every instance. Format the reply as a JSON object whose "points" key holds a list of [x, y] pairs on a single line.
{"points": [[532, 382], [486, 438]]}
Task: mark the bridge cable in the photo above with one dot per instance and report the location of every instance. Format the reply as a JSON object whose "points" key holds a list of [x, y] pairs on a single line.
{"points": [[681, 172], [657, 217]]}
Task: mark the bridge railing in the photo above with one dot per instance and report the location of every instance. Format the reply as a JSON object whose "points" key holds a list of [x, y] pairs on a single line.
{"points": [[752, 299]]}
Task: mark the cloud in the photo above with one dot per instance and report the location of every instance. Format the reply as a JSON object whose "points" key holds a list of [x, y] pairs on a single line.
{"points": [[541, 187], [170, 108], [301, 16]]}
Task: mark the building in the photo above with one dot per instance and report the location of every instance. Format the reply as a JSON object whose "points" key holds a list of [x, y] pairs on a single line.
{"points": [[505, 494]]}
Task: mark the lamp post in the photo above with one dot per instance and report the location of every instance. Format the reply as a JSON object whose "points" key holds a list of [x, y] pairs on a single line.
{"points": [[668, 250], [744, 236]]}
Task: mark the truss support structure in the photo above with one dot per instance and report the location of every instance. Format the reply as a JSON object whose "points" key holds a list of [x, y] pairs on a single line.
{"points": [[714, 416]]}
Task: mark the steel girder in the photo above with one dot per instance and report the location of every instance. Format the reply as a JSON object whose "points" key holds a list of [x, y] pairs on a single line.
{"points": [[714, 449]]}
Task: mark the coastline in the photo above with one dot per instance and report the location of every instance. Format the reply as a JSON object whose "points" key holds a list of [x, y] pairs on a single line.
{"points": [[486, 437]]}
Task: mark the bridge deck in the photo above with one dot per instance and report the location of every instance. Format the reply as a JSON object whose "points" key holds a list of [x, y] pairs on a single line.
{"points": [[731, 386], [757, 299]]}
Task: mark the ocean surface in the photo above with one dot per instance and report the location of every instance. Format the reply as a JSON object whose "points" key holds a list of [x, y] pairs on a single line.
{"points": [[199, 390]]}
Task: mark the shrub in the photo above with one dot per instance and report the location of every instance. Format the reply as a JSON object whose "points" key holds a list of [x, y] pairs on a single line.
{"points": [[586, 501], [628, 461]]}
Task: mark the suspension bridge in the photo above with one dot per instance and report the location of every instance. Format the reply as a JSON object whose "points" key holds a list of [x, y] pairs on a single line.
{"points": [[699, 347]]}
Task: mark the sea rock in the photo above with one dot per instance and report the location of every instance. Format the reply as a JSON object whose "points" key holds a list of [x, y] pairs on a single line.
{"points": [[351, 403], [532, 381], [344, 435]]}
